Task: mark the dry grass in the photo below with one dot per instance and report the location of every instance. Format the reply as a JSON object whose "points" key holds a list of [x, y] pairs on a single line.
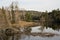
{"points": [[26, 24]]}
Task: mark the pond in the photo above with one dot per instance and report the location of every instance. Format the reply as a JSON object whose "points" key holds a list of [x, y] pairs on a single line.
{"points": [[37, 34], [47, 34], [49, 30], [30, 37]]}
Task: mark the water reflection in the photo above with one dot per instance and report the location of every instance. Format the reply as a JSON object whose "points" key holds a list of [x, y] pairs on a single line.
{"points": [[45, 30], [40, 38], [48, 34], [35, 34]]}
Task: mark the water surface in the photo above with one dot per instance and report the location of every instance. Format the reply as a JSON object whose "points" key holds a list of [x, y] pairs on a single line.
{"points": [[37, 37]]}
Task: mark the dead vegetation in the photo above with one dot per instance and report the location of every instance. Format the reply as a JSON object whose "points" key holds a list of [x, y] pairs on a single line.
{"points": [[27, 24]]}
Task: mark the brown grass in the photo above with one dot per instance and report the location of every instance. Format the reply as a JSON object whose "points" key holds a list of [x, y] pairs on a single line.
{"points": [[25, 24]]}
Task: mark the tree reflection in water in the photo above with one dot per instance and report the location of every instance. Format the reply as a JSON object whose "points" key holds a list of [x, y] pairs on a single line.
{"points": [[9, 34]]}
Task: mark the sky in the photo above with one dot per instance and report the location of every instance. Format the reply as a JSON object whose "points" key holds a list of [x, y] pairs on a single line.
{"points": [[37, 5]]}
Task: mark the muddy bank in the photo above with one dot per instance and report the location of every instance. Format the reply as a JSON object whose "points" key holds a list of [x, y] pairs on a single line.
{"points": [[43, 34]]}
